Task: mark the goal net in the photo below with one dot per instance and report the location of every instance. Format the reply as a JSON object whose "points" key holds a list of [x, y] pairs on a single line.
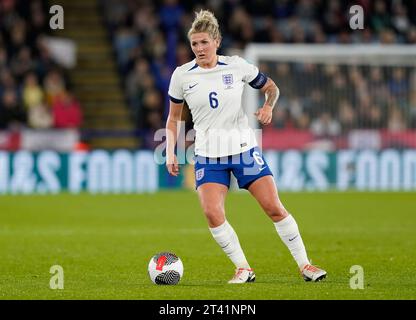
{"points": [[333, 98]]}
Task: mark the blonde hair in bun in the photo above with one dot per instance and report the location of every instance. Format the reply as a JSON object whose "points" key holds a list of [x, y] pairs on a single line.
{"points": [[205, 21]]}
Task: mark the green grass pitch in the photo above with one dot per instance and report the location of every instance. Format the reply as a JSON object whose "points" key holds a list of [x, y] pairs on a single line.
{"points": [[104, 244]]}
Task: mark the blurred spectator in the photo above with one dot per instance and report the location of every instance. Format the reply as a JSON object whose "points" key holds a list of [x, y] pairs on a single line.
{"points": [[396, 120], [240, 28], [314, 102], [152, 103], [54, 86], [279, 119], [18, 36], [183, 53], [154, 123], [22, 62], [380, 18], [38, 20], [317, 35], [124, 42], [303, 122], [283, 79], [135, 77], [334, 19], [400, 19], [32, 92], [7, 81], [338, 91], [38, 114], [377, 86], [295, 108], [411, 36], [399, 85], [66, 111], [284, 9], [375, 117], [44, 64], [387, 36], [147, 84], [359, 84], [12, 114], [40, 117], [325, 126], [346, 116]]}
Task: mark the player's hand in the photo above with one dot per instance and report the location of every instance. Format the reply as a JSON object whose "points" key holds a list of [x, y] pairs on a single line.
{"points": [[172, 165], [264, 114]]}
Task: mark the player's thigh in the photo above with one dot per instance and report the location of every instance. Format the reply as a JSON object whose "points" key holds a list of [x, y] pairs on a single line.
{"points": [[265, 191], [251, 167], [212, 198]]}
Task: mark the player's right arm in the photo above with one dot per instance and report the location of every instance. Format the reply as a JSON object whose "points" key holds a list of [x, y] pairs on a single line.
{"points": [[174, 117]]}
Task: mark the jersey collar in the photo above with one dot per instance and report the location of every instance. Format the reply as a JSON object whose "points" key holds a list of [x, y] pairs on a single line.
{"points": [[219, 63]]}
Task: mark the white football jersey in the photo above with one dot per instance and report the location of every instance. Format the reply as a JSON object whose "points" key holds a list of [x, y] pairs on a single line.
{"points": [[214, 99]]}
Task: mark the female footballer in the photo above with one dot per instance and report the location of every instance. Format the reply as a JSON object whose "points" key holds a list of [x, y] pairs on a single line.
{"points": [[212, 86]]}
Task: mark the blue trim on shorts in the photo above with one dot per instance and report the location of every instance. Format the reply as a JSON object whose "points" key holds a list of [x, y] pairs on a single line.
{"points": [[243, 166]]}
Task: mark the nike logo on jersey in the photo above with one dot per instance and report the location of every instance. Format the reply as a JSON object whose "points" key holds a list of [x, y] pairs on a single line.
{"points": [[261, 169], [190, 87], [293, 238]]}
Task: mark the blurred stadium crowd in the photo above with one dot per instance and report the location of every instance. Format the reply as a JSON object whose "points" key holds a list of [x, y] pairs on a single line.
{"points": [[149, 41], [34, 90], [330, 100], [146, 33]]}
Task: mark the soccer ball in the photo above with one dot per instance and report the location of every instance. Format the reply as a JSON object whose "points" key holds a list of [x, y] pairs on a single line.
{"points": [[165, 268]]}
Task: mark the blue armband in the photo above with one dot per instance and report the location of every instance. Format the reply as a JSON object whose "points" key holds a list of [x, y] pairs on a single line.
{"points": [[259, 81]]}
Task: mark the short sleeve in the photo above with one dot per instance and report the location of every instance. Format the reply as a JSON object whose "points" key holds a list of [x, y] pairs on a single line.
{"points": [[175, 88], [252, 75]]}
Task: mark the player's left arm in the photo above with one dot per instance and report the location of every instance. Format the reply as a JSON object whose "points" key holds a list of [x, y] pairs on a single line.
{"points": [[271, 93]]}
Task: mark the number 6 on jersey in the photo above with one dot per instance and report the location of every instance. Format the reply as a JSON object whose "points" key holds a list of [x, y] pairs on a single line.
{"points": [[213, 101]]}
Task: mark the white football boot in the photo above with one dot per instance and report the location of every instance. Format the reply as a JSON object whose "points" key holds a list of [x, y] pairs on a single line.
{"points": [[243, 275], [312, 273]]}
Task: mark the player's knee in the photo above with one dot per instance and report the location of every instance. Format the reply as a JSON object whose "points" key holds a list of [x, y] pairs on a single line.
{"points": [[213, 210], [214, 213], [274, 210]]}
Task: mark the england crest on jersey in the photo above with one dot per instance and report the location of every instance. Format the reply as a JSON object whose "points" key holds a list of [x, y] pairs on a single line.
{"points": [[199, 174], [227, 79]]}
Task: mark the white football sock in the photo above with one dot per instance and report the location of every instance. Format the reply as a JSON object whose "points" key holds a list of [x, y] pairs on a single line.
{"points": [[289, 233], [228, 241]]}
